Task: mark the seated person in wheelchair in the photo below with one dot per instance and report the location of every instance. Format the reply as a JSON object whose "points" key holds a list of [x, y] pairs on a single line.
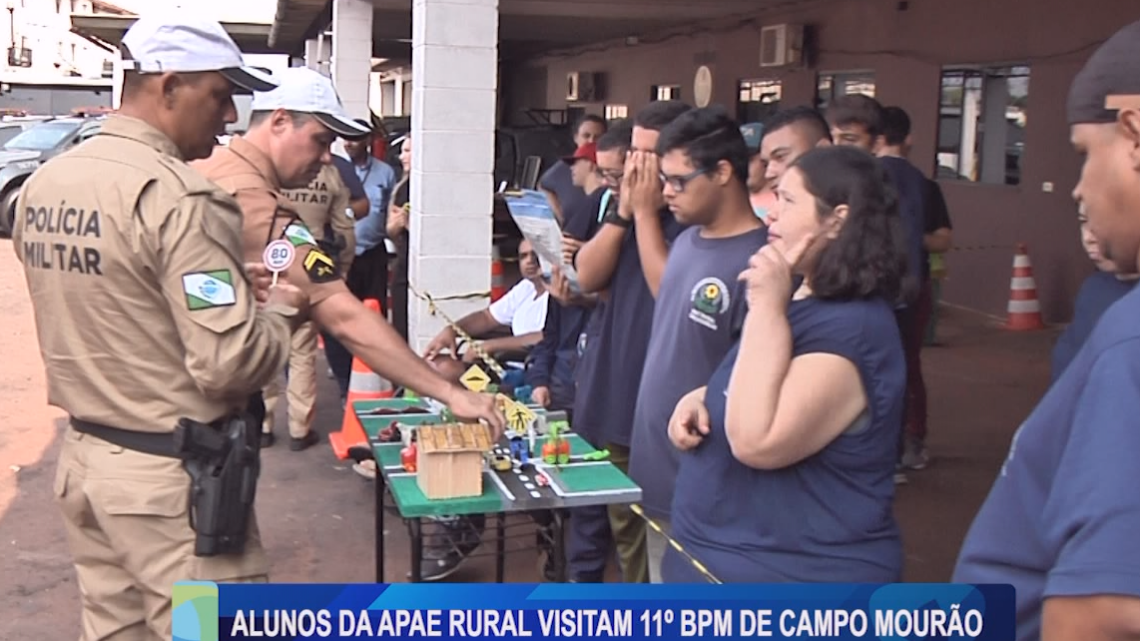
{"points": [[522, 312]]}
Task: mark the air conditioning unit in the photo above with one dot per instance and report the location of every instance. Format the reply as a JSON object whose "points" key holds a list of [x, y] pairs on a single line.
{"points": [[781, 45], [582, 86]]}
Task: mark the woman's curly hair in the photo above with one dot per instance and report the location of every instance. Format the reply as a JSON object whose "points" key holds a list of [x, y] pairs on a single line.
{"points": [[869, 256]]}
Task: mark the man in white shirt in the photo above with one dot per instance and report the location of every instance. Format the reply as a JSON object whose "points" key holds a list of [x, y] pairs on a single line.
{"points": [[522, 309]]}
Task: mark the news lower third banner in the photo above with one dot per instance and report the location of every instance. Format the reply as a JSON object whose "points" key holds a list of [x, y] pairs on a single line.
{"points": [[206, 611]]}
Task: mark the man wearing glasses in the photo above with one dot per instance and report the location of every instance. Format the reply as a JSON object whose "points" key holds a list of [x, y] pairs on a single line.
{"points": [[624, 261], [700, 302]]}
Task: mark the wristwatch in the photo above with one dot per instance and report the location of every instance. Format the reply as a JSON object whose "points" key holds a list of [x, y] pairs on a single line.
{"points": [[614, 218]]}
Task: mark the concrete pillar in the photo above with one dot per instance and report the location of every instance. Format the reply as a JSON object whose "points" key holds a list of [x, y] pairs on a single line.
{"points": [[318, 51], [398, 95], [454, 55], [995, 92], [352, 54]]}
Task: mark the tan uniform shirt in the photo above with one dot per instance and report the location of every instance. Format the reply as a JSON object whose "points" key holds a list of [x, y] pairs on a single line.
{"points": [[246, 173], [323, 202], [142, 304]]}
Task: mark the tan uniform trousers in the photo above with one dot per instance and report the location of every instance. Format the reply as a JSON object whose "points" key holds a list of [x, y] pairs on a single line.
{"points": [[129, 531], [301, 389], [629, 530]]}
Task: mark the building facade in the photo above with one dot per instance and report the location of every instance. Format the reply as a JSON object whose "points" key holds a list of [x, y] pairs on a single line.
{"points": [[42, 47], [985, 84]]}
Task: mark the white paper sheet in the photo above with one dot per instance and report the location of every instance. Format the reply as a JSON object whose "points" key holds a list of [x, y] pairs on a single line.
{"points": [[534, 216]]}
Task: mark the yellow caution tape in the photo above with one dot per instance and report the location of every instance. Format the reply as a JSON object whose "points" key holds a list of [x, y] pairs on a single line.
{"points": [[472, 343], [676, 546]]}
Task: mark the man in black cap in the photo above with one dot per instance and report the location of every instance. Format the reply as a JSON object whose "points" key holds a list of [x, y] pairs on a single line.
{"points": [[1061, 521]]}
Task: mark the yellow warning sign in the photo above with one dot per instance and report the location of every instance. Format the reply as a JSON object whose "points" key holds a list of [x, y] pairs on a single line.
{"points": [[475, 379], [519, 416]]}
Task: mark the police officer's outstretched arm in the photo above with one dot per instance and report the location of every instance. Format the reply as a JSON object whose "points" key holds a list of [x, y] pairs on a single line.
{"points": [[232, 347], [375, 342]]}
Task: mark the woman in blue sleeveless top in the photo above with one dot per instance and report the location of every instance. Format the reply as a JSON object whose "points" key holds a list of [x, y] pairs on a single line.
{"points": [[791, 448]]}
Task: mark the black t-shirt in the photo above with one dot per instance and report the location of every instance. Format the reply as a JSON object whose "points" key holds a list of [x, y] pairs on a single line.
{"points": [[616, 345], [937, 214], [400, 198]]}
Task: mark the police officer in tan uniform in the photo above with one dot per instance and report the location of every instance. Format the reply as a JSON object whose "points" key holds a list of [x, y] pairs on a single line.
{"points": [[289, 138], [148, 314], [321, 205]]}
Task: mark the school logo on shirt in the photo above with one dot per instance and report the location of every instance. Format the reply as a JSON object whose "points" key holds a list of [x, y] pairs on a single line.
{"points": [[709, 299]]}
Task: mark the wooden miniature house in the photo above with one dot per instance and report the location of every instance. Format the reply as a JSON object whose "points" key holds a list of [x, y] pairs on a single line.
{"points": [[449, 460]]}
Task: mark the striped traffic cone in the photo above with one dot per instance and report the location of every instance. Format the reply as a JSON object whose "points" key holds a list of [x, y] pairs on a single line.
{"points": [[1024, 308], [363, 385], [498, 285]]}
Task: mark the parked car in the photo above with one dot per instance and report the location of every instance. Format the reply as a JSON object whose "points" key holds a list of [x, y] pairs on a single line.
{"points": [[31, 148], [11, 126]]}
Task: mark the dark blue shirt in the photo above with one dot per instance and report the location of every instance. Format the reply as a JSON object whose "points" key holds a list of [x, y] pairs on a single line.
{"points": [[616, 344], [348, 175], [1062, 516], [558, 180], [1098, 293], [553, 360], [913, 192], [697, 318], [827, 518]]}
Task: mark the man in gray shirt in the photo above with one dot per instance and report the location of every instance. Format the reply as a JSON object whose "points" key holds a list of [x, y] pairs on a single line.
{"points": [[700, 304]]}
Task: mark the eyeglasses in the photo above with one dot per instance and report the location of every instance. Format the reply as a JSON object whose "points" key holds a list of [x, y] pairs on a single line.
{"points": [[678, 182], [612, 176]]}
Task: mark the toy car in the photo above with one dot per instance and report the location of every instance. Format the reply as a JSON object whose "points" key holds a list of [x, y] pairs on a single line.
{"points": [[501, 463]]}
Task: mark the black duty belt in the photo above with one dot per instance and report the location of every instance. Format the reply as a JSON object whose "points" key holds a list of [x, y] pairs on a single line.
{"points": [[158, 444]]}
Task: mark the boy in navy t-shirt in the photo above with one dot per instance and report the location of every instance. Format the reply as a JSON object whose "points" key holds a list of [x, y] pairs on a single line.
{"points": [[700, 303], [625, 259], [557, 183], [857, 120], [1060, 522]]}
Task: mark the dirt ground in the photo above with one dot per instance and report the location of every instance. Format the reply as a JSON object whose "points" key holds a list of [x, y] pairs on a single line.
{"points": [[316, 515]]}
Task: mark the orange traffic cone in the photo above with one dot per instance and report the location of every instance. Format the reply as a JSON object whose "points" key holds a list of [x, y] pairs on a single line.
{"points": [[1024, 308], [498, 286], [363, 385]]}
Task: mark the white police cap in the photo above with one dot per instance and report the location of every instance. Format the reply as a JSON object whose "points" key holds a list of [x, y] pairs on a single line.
{"points": [[304, 90], [181, 42]]}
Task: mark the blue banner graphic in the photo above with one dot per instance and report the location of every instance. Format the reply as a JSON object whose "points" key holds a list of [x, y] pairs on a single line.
{"points": [[205, 612]]}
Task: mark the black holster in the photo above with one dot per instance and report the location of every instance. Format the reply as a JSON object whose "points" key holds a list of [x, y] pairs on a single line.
{"points": [[223, 461]]}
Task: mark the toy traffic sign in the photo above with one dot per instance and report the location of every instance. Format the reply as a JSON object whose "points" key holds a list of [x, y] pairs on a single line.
{"points": [[519, 416], [475, 379], [278, 256]]}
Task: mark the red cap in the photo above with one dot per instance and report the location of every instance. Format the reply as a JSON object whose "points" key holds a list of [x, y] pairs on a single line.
{"points": [[588, 151]]}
